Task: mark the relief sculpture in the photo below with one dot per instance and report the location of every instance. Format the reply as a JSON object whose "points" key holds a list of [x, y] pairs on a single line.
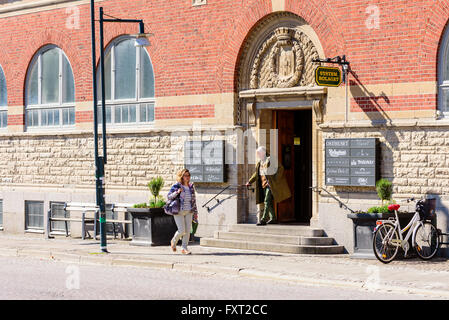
{"points": [[284, 60]]}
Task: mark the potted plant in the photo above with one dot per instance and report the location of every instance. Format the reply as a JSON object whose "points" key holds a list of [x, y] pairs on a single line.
{"points": [[384, 190], [364, 222], [151, 226]]}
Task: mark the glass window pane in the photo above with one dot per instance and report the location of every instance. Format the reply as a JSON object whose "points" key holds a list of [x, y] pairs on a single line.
{"points": [[1, 212], [3, 98], [107, 76], [125, 70], [35, 116], [150, 112], [32, 89], [143, 113], [132, 113], [3, 119], [72, 116], [50, 76], [65, 116], [29, 118], [44, 118], [146, 76], [108, 115], [118, 114], [68, 84], [51, 120], [34, 214], [125, 114], [445, 101], [56, 117]]}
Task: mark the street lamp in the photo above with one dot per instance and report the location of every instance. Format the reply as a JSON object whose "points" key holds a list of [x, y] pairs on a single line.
{"points": [[141, 41]]}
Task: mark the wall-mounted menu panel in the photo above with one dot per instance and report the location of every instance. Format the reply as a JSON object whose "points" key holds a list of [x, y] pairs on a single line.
{"points": [[205, 160], [351, 162]]}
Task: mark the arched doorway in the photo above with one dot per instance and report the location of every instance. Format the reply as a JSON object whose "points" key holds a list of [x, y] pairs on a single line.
{"points": [[282, 106]]}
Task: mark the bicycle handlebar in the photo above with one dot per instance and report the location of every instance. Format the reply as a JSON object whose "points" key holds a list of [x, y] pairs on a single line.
{"points": [[412, 199]]}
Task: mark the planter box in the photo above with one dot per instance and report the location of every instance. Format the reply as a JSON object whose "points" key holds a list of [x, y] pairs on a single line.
{"points": [[363, 227], [151, 227]]}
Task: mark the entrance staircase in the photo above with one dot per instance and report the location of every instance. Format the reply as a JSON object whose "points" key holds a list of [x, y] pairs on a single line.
{"points": [[295, 239]]}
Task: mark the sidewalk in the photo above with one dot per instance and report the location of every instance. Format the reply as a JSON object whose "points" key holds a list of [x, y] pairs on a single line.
{"points": [[430, 278]]}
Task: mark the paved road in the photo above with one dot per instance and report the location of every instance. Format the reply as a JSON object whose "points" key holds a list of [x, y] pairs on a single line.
{"points": [[31, 278]]}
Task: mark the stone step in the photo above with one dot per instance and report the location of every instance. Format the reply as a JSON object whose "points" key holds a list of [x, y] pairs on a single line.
{"points": [[273, 238], [286, 230], [271, 247]]}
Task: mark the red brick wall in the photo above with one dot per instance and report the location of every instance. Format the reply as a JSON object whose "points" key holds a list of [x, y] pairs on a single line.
{"points": [[195, 50]]}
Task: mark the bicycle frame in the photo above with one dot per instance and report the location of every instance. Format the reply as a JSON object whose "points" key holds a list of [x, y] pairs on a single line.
{"points": [[411, 227]]}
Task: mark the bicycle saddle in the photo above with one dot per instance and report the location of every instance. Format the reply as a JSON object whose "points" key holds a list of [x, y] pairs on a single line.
{"points": [[394, 207]]}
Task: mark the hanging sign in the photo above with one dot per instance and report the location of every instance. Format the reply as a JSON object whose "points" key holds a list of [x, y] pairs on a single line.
{"points": [[328, 76]]}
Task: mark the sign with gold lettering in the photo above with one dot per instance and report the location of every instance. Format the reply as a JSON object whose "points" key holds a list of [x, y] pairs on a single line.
{"points": [[328, 76]]}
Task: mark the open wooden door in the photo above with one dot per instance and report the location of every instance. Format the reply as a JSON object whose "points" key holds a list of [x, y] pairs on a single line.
{"points": [[285, 123], [295, 154]]}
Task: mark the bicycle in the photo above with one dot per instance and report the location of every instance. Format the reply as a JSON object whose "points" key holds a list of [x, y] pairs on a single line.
{"points": [[388, 235]]}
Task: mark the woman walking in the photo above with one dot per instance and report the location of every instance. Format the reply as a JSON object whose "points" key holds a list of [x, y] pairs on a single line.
{"points": [[187, 210]]}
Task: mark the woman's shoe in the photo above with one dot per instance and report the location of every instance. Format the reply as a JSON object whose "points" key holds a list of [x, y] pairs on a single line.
{"points": [[184, 251], [173, 246]]}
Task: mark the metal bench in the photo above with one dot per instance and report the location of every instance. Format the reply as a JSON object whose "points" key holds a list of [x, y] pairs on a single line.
{"points": [[73, 206], [116, 208], [89, 208]]}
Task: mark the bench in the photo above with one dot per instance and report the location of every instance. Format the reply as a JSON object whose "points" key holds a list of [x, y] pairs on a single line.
{"points": [[88, 208], [119, 207], [73, 206]]}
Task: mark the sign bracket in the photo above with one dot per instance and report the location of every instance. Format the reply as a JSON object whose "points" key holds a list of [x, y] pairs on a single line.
{"points": [[346, 65]]}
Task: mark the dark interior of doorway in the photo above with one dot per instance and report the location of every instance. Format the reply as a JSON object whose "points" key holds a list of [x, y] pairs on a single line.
{"points": [[295, 153]]}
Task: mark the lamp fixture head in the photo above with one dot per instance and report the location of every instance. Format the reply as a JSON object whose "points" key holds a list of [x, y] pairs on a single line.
{"points": [[142, 40]]}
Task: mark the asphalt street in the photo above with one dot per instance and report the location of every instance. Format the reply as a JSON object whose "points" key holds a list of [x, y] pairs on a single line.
{"points": [[33, 278]]}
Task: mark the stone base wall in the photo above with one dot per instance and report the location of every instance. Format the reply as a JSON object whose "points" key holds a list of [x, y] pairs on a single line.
{"points": [[415, 159], [61, 168]]}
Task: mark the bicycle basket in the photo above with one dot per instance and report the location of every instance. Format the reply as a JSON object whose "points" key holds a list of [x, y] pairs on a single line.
{"points": [[426, 209]]}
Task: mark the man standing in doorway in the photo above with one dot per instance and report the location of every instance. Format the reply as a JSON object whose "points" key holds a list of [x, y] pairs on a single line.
{"points": [[271, 186]]}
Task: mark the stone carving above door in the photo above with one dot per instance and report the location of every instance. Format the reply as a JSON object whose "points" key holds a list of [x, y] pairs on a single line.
{"points": [[284, 60]]}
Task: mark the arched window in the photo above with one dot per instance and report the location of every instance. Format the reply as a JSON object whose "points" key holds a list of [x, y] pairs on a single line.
{"points": [[443, 75], [3, 100], [129, 83], [50, 90]]}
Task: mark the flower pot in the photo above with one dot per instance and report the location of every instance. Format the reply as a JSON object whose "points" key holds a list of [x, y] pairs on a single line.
{"points": [[151, 227], [363, 227]]}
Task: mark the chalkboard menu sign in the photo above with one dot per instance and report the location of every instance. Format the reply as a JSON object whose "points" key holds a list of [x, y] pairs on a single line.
{"points": [[351, 162], [205, 160]]}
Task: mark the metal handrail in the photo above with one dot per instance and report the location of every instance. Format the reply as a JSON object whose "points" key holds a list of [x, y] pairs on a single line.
{"points": [[222, 190], [342, 205]]}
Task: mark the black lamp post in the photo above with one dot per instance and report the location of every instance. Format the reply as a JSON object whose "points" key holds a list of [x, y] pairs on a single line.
{"points": [[141, 41]]}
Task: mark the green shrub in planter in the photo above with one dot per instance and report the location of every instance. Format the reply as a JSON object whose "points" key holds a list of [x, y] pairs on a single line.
{"points": [[384, 189], [155, 186], [140, 205], [158, 203]]}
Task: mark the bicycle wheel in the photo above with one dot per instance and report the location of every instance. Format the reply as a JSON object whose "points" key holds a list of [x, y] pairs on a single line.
{"points": [[427, 241], [386, 243]]}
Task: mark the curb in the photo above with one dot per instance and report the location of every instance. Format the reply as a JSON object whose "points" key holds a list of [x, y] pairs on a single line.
{"points": [[210, 269], [338, 283]]}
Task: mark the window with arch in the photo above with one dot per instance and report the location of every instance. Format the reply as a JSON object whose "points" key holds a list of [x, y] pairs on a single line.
{"points": [[50, 90], [443, 75], [3, 100], [129, 84]]}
